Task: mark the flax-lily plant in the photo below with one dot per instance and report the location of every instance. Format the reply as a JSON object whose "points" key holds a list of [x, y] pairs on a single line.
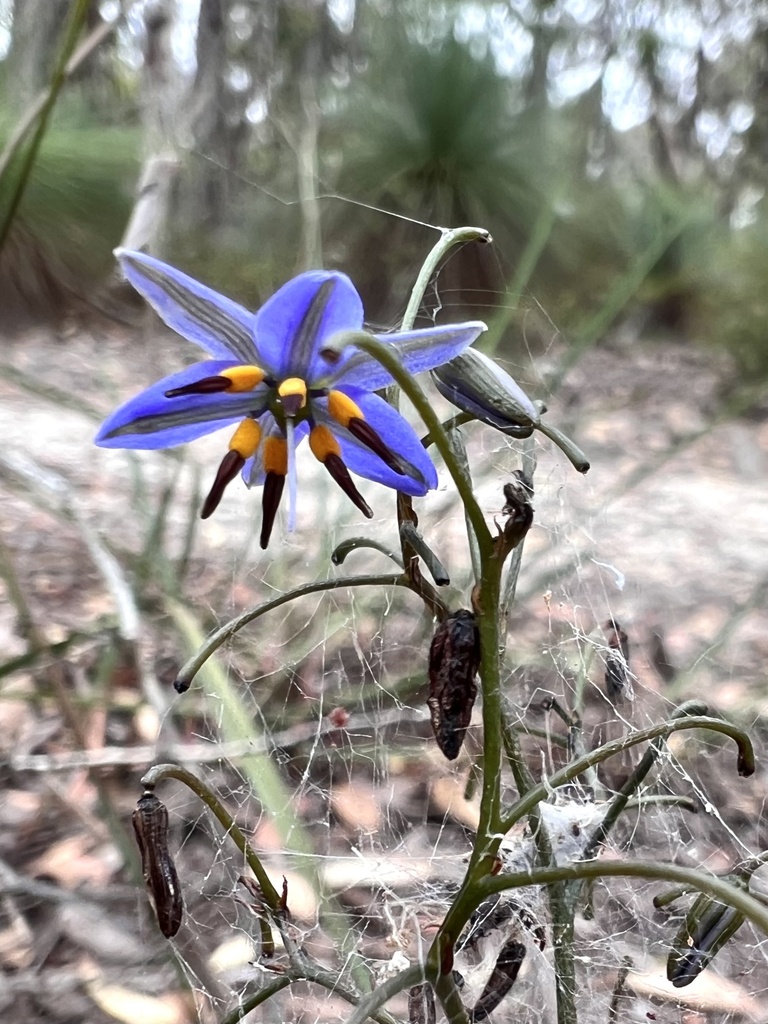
{"points": [[302, 366], [268, 375]]}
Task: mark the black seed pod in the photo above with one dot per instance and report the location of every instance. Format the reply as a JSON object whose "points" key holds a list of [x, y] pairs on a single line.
{"points": [[503, 977], [454, 658], [150, 823], [518, 509], [421, 1004]]}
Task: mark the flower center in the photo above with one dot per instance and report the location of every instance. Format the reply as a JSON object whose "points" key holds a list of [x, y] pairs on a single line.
{"points": [[293, 395]]}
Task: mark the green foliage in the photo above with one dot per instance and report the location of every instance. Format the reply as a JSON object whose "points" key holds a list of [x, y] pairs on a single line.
{"points": [[76, 203], [730, 302]]}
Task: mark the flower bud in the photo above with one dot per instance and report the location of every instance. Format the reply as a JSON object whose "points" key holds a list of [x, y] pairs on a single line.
{"points": [[477, 385], [706, 929]]}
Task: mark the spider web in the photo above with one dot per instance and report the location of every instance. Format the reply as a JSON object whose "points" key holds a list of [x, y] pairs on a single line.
{"points": [[368, 823]]}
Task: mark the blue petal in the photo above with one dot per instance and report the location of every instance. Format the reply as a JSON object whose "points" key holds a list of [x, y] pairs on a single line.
{"points": [[150, 420], [420, 474], [419, 351], [198, 313], [292, 326]]}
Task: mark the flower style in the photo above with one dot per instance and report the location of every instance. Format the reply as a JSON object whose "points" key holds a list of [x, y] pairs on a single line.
{"points": [[268, 375]]}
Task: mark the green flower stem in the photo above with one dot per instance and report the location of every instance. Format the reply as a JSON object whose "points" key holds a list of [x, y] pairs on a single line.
{"points": [[450, 1000], [305, 972], [306, 969], [635, 780], [448, 238], [225, 632], [528, 458], [390, 360], [405, 514], [745, 764], [575, 455], [690, 878], [460, 454], [256, 999], [436, 568], [340, 552], [685, 803], [159, 772], [448, 425], [416, 974]]}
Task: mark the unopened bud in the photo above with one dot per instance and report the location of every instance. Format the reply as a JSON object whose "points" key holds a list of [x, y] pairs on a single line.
{"points": [[706, 929], [477, 385]]}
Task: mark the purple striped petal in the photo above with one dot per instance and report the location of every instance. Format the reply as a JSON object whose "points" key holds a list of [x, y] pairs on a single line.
{"points": [[419, 351], [420, 474], [150, 420], [292, 326], [198, 313]]}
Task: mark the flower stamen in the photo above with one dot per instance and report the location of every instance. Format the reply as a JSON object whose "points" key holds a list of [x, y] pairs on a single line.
{"points": [[348, 414], [230, 466], [270, 502], [246, 438], [275, 460], [326, 449], [242, 446], [235, 379]]}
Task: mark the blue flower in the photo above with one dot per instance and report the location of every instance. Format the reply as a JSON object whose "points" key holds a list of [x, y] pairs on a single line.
{"points": [[267, 374]]}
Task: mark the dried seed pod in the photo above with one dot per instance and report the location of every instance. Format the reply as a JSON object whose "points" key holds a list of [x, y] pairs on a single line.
{"points": [[150, 823], [618, 685], [518, 494], [706, 929], [502, 978], [454, 658], [421, 1004]]}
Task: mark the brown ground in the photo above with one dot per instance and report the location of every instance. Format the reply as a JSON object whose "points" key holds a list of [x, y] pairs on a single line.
{"points": [[674, 546]]}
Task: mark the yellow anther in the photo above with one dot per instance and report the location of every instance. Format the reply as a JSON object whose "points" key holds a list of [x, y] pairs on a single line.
{"points": [[293, 387], [244, 378], [245, 439], [322, 443], [343, 409], [275, 455]]}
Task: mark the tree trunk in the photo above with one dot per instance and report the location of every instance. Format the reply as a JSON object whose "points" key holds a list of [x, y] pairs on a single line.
{"points": [[160, 93], [35, 34]]}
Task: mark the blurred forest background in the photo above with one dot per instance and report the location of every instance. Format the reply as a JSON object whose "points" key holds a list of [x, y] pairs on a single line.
{"points": [[617, 151]]}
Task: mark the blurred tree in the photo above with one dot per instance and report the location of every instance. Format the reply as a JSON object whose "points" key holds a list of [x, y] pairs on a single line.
{"points": [[35, 38]]}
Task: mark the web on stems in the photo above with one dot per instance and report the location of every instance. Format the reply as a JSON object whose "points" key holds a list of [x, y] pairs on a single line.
{"points": [[339, 786]]}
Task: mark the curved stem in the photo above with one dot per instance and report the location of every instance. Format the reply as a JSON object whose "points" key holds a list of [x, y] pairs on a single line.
{"points": [[690, 878], [450, 1000], [255, 999], [635, 780], [390, 360], [745, 764], [416, 974], [569, 448], [159, 772], [448, 238], [221, 635]]}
